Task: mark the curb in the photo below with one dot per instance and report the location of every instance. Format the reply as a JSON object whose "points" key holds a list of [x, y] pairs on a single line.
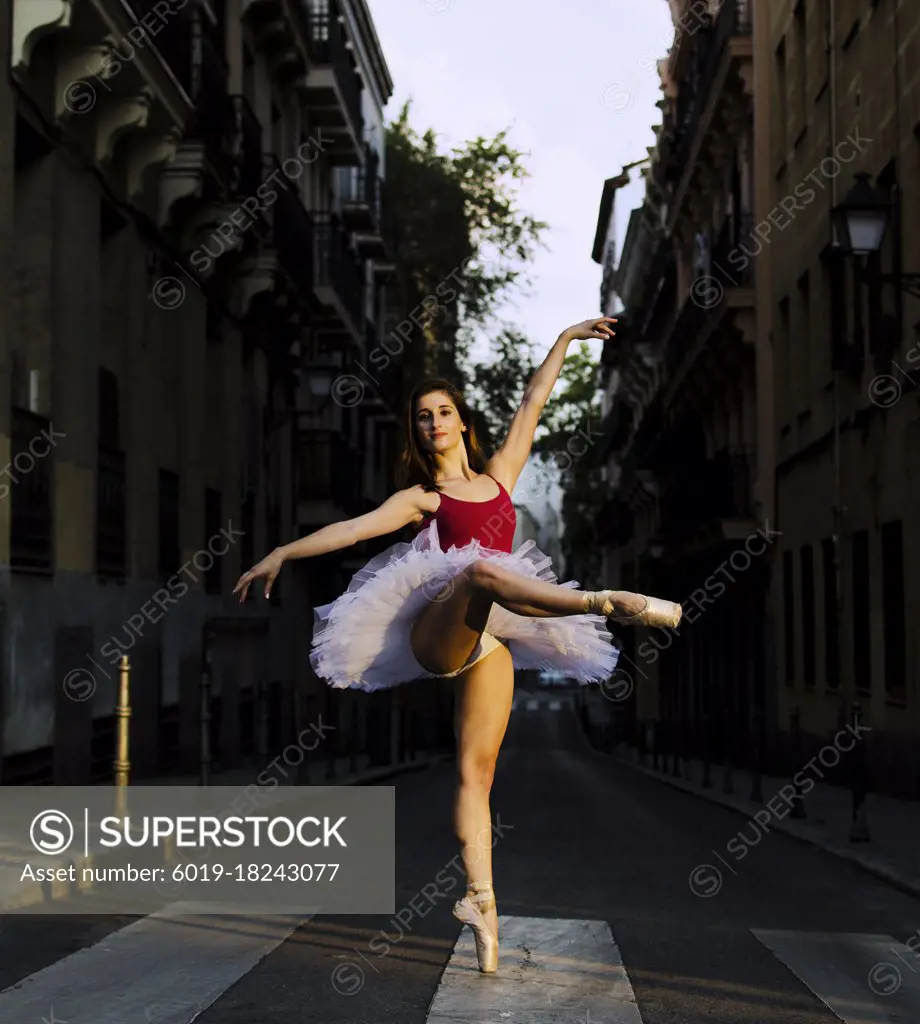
{"points": [[881, 869], [54, 891]]}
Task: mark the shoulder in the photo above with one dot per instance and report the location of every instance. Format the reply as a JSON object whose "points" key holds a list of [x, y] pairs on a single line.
{"points": [[420, 501], [499, 470]]}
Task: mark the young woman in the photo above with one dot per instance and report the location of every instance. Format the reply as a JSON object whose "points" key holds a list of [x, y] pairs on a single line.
{"points": [[457, 602]]}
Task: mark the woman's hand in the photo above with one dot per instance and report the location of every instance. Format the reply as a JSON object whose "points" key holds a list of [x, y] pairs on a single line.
{"points": [[269, 567], [594, 328]]}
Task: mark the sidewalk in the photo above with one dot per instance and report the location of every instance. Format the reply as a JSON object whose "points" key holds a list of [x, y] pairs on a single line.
{"points": [[894, 825]]}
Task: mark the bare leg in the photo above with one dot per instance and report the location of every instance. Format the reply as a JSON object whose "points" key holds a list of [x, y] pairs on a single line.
{"points": [[449, 627], [482, 711]]}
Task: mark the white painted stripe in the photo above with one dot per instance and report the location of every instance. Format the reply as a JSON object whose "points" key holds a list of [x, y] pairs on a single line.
{"points": [[164, 969], [863, 979], [532, 705], [555, 705], [550, 971]]}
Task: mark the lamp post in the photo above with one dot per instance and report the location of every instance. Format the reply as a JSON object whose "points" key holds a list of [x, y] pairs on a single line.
{"points": [[861, 220], [318, 390]]}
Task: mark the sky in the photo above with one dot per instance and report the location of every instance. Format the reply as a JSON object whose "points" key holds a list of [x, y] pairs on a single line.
{"points": [[576, 85]]}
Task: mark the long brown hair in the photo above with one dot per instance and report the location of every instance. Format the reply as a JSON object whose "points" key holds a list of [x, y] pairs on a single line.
{"points": [[417, 466]]}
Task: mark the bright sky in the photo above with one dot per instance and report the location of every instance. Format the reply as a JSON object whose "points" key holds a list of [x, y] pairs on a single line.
{"points": [[575, 83]]}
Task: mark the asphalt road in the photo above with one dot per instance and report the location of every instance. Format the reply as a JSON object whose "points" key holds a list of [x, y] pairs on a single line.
{"points": [[696, 934]]}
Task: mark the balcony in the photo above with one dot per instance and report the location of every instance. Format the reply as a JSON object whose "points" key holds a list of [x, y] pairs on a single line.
{"points": [[338, 282], [710, 502], [292, 230], [724, 40], [358, 195], [245, 147], [724, 283], [333, 89], [615, 523], [328, 478], [732, 267]]}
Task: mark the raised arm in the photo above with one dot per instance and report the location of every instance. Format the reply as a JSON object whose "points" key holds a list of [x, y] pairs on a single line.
{"points": [[506, 464], [398, 510]]}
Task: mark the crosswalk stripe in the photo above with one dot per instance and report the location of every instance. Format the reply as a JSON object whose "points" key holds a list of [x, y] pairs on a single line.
{"points": [[861, 978], [550, 970], [163, 969]]}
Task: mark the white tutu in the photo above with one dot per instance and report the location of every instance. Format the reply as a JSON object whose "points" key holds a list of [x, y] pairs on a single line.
{"points": [[362, 639]]}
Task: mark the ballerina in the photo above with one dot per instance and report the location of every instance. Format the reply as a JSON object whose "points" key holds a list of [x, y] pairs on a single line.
{"points": [[456, 601]]}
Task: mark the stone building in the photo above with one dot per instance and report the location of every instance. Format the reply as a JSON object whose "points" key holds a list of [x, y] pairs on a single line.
{"points": [[845, 100], [762, 407], [190, 231], [690, 481]]}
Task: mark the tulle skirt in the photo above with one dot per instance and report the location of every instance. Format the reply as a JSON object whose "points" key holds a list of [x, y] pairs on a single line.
{"points": [[362, 640]]}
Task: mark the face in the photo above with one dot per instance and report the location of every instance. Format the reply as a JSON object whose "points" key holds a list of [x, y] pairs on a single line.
{"points": [[438, 422]]}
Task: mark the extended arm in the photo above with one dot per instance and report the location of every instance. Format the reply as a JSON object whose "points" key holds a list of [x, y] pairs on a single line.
{"points": [[506, 464], [399, 509]]}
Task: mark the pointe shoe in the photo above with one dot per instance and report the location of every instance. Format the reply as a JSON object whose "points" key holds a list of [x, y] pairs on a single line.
{"points": [[655, 613], [479, 898]]}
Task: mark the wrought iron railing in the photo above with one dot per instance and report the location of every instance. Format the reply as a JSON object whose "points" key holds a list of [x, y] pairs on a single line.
{"points": [[361, 186], [329, 45], [246, 146], [700, 493], [733, 19], [734, 252], [336, 266], [292, 229]]}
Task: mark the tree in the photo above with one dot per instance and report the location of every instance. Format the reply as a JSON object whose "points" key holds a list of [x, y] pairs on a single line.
{"points": [[457, 237]]}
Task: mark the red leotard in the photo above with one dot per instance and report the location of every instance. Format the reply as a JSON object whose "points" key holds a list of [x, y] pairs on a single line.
{"points": [[490, 522]]}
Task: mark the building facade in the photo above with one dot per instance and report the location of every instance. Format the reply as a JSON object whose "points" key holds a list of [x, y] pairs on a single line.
{"points": [[845, 99], [690, 478], [761, 399], [190, 230]]}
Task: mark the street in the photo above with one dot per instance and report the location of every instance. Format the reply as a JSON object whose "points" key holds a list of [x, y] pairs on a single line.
{"points": [[602, 860]]}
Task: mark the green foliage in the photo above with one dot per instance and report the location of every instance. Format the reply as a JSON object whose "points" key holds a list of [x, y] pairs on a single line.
{"points": [[456, 234]]}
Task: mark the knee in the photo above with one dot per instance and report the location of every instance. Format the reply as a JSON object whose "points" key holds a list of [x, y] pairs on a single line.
{"points": [[483, 573], [477, 771]]}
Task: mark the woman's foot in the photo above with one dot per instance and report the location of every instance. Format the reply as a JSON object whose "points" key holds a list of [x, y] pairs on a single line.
{"points": [[630, 609], [474, 909]]}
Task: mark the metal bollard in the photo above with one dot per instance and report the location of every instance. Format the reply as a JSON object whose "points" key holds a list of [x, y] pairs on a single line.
{"points": [[121, 765], [859, 828]]}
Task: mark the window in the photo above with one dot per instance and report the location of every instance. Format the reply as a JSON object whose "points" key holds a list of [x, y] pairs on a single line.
{"points": [[801, 68], [111, 490], [214, 542], [862, 660], [831, 614], [789, 615], [784, 369], [893, 609], [808, 616], [28, 485], [782, 107], [169, 556]]}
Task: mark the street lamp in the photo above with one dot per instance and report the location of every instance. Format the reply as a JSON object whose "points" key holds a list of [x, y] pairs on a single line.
{"points": [[318, 390], [861, 219]]}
